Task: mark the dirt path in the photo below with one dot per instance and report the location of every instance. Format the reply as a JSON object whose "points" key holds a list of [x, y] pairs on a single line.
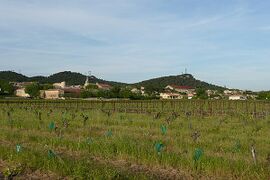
{"points": [[25, 173], [154, 172]]}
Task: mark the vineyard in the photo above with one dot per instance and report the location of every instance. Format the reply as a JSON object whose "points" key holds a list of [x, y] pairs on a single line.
{"points": [[195, 108], [134, 139]]}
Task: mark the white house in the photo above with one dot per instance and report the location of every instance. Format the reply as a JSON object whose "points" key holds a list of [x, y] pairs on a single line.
{"points": [[138, 91], [237, 97], [52, 94], [227, 92], [170, 96], [135, 90], [180, 89], [142, 90], [21, 93], [190, 96], [210, 92], [61, 85]]}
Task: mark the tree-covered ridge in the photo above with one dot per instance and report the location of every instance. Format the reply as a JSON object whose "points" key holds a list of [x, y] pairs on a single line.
{"points": [[71, 78], [11, 76], [157, 84]]}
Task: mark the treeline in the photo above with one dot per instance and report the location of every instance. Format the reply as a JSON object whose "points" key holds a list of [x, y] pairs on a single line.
{"points": [[34, 89], [115, 92], [264, 95], [5, 88]]}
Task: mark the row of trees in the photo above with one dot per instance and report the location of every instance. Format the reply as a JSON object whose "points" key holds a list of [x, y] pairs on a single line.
{"points": [[265, 95], [116, 92], [34, 89], [6, 89], [92, 91]]}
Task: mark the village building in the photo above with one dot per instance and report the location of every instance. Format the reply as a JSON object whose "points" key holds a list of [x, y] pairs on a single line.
{"points": [[86, 83], [168, 95], [72, 90], [216, 98], [104, 86], [21, 93], [227, 92], [138, 91], [20, 85], [237, 97], [180, 89], [143, 90], [52, 94], [210, 92], [233, 92], [190, 96], [61, 85], [135, 90], [252, 96]]}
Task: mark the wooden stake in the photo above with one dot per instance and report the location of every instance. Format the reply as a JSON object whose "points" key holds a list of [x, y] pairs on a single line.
{"points": [[254, 154]]}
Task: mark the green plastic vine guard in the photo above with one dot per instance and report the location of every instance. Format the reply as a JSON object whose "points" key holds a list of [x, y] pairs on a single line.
{"points": [[51, 154], [197, 154], [109, 133], [18, 148], [89, 140], [51, 126], [163, 129], [159, 146]]}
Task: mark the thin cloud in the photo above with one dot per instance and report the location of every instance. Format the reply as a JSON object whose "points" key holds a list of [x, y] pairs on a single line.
{"points": [[40, 51]]}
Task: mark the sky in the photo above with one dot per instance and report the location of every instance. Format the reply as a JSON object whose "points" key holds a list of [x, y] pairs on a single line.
{"points": [[224, 42]]}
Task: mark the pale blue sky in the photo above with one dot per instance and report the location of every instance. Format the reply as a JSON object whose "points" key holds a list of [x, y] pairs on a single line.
{"points": [[225, 42]]}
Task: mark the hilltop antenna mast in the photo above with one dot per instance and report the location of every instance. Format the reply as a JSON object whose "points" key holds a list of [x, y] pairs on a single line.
{"points": [[185, 70]]}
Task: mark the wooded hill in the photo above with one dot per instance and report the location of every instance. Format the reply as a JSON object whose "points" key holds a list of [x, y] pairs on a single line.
{"points": [[73, 78], [158, 84]]}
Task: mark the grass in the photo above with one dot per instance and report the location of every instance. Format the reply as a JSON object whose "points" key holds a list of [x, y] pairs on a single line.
{"points": [[123, 145]]}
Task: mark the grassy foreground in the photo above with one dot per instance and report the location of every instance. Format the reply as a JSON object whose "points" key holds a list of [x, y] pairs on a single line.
{"points": [[84, 144]]}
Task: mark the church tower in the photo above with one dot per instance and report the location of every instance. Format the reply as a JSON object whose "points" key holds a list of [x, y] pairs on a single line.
{"points": [[87, 80]]}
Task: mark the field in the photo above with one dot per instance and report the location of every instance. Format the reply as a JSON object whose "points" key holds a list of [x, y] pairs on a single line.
{"points": [[135, 140]]}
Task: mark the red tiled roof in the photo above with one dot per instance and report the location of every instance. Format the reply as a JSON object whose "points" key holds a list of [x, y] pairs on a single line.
{"points": [[72, 90]]}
